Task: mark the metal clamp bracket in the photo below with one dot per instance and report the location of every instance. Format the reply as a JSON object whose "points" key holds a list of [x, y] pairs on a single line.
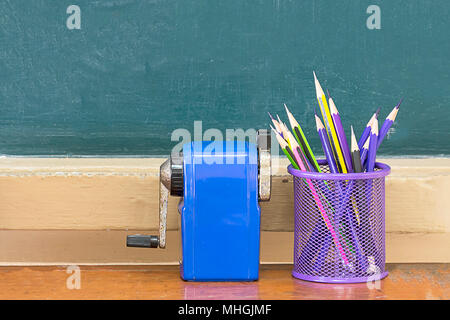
{"points": [[263, 141]]}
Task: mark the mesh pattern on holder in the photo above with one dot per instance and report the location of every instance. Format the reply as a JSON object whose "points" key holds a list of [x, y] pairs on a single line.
{"points": [[339, 231]]}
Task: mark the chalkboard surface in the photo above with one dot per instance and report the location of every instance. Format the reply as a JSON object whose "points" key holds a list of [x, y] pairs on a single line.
{"points": [[138, 69]]}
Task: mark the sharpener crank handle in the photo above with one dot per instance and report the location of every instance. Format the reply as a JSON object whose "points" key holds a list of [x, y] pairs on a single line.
{"points": [[152, 241], [264, 165], [163, 199]]}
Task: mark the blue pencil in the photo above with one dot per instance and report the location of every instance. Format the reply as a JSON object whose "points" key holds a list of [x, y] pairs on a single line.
{"points": [[326, 145], [364, 151], [371, 157], [366, 132], [388, 123]]}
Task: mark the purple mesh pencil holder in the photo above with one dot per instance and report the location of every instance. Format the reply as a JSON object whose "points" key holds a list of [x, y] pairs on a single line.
{"points": [[339, 232]]}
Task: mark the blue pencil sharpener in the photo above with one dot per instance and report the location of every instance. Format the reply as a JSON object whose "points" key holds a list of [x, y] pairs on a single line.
{"points": [[221, 184]]}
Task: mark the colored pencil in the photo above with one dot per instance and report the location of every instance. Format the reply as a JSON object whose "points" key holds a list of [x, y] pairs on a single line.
{"points": [[339, 200], [284, 131], [364, 152], [321, 99], [357, 168], [278, 119], [296, 147], [341, 135], [302, 159], [332, 131], [324, 214], [326, 145], [301, 139], [328, 154], [298, 158], [275, 124], [356, 157], [366, 132], [286, 149], [371, 157], [388, 123]]}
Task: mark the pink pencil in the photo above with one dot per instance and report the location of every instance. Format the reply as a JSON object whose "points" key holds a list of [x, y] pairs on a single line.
{"points": [[295, 150]]}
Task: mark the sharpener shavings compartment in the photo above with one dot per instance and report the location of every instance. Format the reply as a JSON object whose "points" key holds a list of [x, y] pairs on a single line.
{"points": [[339, 234]]}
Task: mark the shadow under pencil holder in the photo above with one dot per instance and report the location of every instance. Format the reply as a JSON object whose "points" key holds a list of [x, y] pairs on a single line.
{"points": [[339, 234]]}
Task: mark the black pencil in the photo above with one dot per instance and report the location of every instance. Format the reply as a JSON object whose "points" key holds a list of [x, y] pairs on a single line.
{"points": [[356, 157]]}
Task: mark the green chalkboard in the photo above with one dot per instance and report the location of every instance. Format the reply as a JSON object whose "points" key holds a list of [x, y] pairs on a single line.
{"points": [[139, 69]]}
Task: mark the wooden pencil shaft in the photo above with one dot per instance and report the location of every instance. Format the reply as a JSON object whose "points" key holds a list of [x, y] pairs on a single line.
{"points": [[291, 157], [328, 152], [298, 159], [322, 210], [296, 147], [366, 132], [388, 123], [306, 150], [371, 157], [325, 145], [308, 165], [356, 156], [341, 136], [334, 137], [286, 149], [301, 139], [327, 131]]}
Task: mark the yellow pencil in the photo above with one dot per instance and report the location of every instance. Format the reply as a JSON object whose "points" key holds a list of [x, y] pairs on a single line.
{"points": [[323, 100], [285, 131]]}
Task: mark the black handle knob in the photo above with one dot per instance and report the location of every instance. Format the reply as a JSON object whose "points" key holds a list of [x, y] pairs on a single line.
{"points": [[142, 241]]}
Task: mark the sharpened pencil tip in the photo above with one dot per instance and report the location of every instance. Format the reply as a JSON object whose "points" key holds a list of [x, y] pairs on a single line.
{"points": [[377, 112], [319, 90], [319, 124], [354, 142], [283, 144], [394, 112], [294, 124], [315, 77], [400, 102], [332, 106], [366, 145], [374, 127]]}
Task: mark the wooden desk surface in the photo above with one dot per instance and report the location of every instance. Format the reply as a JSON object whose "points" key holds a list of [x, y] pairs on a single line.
{"points": [[405, 281]]}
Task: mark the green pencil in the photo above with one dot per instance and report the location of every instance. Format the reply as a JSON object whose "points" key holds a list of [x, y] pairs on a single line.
{"points": [[285, 147], [301, 139]]}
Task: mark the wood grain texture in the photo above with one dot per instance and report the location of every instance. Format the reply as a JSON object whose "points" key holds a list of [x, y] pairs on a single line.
{"points": [[120, 194], [405, 281], [62, 247], [79, 210]]}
